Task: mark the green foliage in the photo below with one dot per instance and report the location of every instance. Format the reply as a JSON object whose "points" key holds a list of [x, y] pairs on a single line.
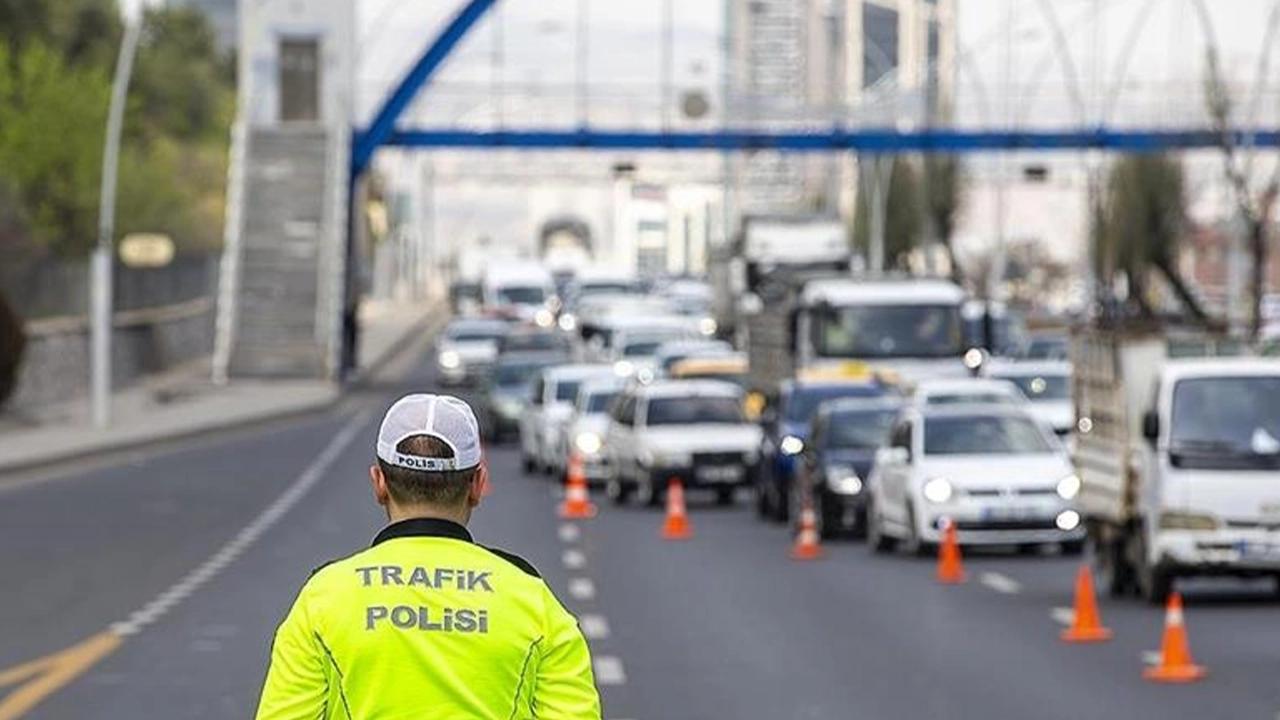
{"points": [[942, 180], [51, 129], [903, 215], [56, 63]]}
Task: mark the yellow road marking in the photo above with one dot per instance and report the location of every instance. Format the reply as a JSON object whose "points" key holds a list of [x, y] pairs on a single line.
{"points": [[45, 676]]}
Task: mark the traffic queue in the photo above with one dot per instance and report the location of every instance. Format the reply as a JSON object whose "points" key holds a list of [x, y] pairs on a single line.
{"points": [[857, 408]]}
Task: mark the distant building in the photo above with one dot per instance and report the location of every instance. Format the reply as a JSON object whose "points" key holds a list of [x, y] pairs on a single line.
{"points": [[221, 14]]}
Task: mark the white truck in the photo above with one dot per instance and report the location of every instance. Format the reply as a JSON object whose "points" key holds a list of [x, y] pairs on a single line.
{"points": [[769, 248], [1179, 461], [911, 328]]}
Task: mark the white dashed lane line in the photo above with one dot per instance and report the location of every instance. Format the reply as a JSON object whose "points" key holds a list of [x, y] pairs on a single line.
{"points": [[595, 627], [569, 532], [574, 559], [1000, 583], [609, 671], [1063, 615], [582, 588]]}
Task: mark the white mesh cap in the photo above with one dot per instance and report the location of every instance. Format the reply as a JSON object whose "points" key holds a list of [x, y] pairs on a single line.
{"points": [[443, 417]]}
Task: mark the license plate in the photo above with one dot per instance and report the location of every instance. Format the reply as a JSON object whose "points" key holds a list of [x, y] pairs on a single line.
{"points": [[1009, 513], [712, 474]]}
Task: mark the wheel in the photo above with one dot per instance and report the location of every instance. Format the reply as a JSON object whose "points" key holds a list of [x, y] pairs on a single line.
{"points": [[724, 496], [1154, 582], [647, 492], [912, 545], [1073, 548], [618, 493], [876, 539]]}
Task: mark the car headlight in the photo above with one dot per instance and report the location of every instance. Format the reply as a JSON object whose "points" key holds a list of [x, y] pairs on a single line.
{"points": [[791, 445], [938, 490], [1069, 487], [843, 479], [588, 443], [568, 322], [544, 318], [623, 368], [1067, 520], [1187, 521], [707, 326], [450, 360]]}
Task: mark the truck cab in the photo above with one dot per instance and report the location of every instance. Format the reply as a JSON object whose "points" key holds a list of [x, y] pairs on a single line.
{"points": [[1180, 464]]}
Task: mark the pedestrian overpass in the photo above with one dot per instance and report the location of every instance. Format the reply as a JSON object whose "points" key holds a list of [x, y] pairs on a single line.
{"points": [[291, 275]]}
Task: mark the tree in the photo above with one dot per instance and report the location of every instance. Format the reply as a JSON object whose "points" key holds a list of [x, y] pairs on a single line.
{"points": [[942, 179], [1143, 226], [903, 217]]}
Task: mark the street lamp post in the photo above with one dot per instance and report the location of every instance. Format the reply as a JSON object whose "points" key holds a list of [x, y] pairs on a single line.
{"points": [[100, 285]]}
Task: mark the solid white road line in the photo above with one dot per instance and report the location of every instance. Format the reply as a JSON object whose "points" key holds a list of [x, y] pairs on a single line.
{"points": [[243, 540], [1000, 583], [609, 670], [594, 627], [573, 559], [582, 588], [1063, 615], [569, 532]]}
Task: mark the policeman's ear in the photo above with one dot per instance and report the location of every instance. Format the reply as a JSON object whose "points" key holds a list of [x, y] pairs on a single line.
{"points": [[379, 483], [479, 483]]}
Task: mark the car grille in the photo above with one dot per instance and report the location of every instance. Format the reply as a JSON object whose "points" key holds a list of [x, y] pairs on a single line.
{"points": [[1042, 524], [718, 458], [1023, 492]]}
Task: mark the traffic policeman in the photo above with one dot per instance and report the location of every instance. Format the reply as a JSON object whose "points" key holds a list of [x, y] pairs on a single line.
{"points": [[427, 623]]}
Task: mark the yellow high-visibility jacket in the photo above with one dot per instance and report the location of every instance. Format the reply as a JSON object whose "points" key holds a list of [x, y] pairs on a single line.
{"points": [[428, 624]]}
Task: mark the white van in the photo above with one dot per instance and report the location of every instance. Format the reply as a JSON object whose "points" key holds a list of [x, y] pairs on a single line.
{"points": [[522, 291]]}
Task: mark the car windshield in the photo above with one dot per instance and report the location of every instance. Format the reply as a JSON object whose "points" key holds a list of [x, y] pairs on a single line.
{"points": [[567, 390], [518, 373], [611, 288], [965, 398], [641, 348], [1226, 422], [600, 402], [1047, 348], [983, 435], [802, 401], [859, 429], [522, 342], [1042, 388], [475, 333], [516, 295], [692, 410], [887, 331]]}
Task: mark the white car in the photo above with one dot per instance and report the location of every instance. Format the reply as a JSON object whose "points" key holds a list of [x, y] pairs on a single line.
{"points": [[993, 470], [550, 405], [693, 430], [585, 431], [633, 343], [965, 391], [1047, 384], [467, 349]]}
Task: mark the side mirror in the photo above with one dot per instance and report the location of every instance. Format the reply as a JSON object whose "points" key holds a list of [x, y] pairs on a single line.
{"points": [[1151, 426]]}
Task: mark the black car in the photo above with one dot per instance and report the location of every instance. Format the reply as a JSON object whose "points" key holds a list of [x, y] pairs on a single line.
{"points": [[508, 389], [837, 459]]}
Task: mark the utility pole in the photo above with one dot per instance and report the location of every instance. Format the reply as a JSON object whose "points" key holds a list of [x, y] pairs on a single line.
{"points": [[100, 285]]}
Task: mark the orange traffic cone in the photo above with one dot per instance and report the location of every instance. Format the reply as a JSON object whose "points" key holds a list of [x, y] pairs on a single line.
{"points": [[1175, 664], [807, 546], [676, 526], [577, 500], [1087, 627], [950, 569]]}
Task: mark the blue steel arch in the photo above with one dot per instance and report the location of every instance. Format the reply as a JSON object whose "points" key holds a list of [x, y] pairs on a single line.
{"points": [[382, 130]]}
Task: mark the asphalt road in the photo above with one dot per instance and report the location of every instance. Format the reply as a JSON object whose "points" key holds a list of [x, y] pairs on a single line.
{"points": [[190, 553]]}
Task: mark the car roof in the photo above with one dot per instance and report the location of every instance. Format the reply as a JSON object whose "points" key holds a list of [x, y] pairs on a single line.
{"points": [[847, 291], [1220, 367], [688, 388], [727, 363], [852, 404], [972, 409], [1025, 368], [576, 371]]}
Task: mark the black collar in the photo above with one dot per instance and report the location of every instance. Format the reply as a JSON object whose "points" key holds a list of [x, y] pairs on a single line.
{"points": [[423, 527]]}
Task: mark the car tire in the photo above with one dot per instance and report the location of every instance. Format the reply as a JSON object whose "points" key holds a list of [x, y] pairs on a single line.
{"points": [[647, 491], [877, 540], [619, 492], [914, 545], [725, 496], [1153, 581]]}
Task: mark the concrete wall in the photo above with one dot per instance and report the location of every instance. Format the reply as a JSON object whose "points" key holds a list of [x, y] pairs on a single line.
{"points": [[55, 368]]}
